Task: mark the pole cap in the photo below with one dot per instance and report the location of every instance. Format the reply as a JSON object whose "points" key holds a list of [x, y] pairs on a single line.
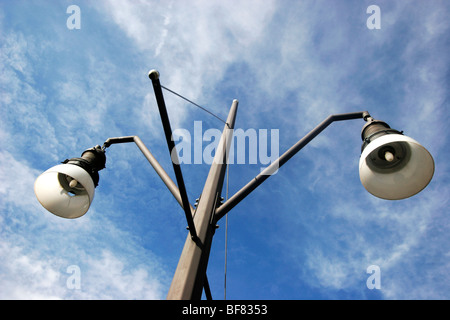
{"points": [[153, 74]]}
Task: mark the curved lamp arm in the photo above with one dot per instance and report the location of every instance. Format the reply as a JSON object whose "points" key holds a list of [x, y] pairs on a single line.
{"points": [[154, 163], [260, 178]]}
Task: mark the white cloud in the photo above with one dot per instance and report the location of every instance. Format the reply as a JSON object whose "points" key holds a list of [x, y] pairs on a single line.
{"points": [[21, 104], [404, 238], [193, 43], [17, 183], [108, 277], [25, 276]]}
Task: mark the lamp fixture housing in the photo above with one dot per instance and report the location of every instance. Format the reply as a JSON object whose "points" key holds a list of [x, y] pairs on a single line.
{"points": [[67, 189], [393, 166]]}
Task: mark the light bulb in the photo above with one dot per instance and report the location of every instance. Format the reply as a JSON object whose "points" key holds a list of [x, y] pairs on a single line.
{"points": [[73, 183], [389, 156]]}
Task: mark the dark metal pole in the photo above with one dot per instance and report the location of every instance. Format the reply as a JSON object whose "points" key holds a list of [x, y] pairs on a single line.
{"points": [[207, 289], [259, 179], [154, 76]]}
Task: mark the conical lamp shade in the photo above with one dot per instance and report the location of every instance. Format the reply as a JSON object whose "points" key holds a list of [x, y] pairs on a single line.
{"points": [[65, 190], [395, 167]]}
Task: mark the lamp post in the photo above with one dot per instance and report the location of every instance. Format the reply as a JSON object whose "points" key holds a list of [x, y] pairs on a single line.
{"points": [[392, 166]]}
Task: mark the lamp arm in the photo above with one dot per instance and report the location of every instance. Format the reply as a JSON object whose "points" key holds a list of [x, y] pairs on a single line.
{"points": [[154, 163], [260, 178]]}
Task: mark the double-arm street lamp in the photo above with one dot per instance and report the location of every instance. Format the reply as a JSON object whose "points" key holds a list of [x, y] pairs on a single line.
{"points": [[392, 166]]}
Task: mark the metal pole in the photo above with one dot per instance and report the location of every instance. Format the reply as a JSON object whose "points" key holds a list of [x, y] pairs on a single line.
{"points": [[154, 76], [259, 179], [188, 281]]}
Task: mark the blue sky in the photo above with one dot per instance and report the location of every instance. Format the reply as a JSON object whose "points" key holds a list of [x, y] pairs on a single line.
{"points": [[310, 231]]}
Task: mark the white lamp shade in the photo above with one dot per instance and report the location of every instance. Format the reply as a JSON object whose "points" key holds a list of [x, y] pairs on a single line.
{"points": [[395, 167], [65, 190]]}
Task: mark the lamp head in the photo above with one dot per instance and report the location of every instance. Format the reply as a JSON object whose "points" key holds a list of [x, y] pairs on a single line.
{"points": [[393, 166], [67, 190]]}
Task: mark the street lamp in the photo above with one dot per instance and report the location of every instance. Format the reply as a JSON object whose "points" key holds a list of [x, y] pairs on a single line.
{"points": [[392, 166], [67, 190]]}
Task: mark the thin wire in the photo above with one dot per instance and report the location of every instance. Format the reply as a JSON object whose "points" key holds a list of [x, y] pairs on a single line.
{"points": [[226, 242], [195, 104]]}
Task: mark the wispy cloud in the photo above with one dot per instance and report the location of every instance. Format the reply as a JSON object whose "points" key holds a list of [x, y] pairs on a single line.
{"points": [[37, 120], [192, 43]]}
